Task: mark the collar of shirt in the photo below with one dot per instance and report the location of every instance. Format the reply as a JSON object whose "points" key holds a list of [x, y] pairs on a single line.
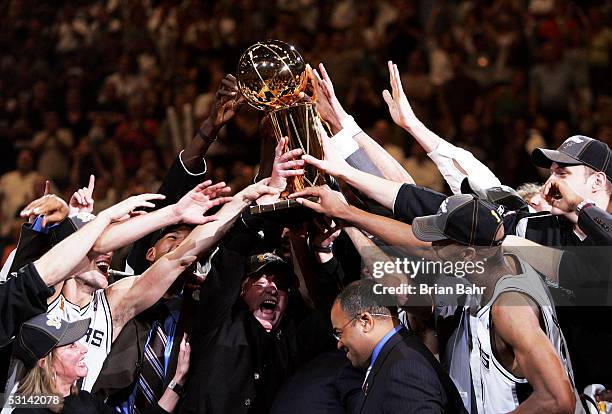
{"points": [[381, 344]]}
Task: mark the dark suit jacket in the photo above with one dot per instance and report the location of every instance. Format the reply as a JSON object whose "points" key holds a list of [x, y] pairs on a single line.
{"points": [[596, 223], [406, 378], [328, 384]]}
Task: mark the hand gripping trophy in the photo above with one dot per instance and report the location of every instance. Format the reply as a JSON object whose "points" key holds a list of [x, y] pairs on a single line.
{"points": [[271, 75]]}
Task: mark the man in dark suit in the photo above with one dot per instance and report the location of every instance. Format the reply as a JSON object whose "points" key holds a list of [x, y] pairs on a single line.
{"points": [[401, 374]]}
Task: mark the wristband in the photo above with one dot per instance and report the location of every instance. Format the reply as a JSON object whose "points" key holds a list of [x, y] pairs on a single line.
{"points": [[176, 387], [584, 203]]}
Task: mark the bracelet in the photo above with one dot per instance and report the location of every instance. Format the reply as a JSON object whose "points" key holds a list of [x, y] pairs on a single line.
{"points": [[584, 203], [205, 137]]}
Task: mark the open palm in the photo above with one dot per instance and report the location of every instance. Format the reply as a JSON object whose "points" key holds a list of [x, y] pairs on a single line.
{"points": [[192, 207], [398, 104]]}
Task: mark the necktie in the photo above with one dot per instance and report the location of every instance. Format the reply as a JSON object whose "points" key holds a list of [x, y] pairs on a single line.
{"points": [[150, 385]]}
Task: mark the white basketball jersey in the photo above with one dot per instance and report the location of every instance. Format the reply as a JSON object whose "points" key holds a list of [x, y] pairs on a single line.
{"points": [[497, 390], [99, 336]]}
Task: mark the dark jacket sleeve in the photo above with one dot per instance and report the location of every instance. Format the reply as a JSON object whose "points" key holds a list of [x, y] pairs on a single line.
{"points": [[414, 201], [22, 296], [176, 184], [596, 223]]}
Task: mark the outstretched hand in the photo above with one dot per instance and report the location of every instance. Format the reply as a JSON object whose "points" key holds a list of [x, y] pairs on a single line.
{"points": [[182, 365], [332, 163], [128, 207], [82, 199], [193, 205], [330, 203], [227, 103], [328, 106], [398, 104], [255, 191], [51, 207], [286, 164]]}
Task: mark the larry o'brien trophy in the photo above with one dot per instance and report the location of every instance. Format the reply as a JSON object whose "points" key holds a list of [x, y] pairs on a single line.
{"points": [[271, 75]]}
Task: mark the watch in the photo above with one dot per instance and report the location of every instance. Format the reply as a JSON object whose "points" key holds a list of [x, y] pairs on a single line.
{"points": [[176, 387], [584, 203]]}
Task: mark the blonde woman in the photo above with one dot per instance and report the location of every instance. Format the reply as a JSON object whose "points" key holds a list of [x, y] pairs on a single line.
{"points": [[55, 361]]}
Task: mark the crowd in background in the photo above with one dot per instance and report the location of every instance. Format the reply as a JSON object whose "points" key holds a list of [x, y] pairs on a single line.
{"points": [[117, 88]]}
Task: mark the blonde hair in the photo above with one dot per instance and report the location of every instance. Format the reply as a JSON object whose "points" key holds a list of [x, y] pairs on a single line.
{"points": [[40, 380], [528, 190]]}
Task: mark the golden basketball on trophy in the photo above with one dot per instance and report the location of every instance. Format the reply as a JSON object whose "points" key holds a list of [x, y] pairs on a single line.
{"points": [[271, 75]]}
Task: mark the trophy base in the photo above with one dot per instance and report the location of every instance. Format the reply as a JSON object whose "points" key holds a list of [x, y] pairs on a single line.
{"points": [[285, 211]]}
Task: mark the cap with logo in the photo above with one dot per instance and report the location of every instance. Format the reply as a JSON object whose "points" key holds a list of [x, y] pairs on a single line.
{"points": [[38, 336], [577, 150], [258, 262], [502, 195], [464, 218]]}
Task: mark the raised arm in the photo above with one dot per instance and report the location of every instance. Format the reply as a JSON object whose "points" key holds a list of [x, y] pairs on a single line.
{"points": [[349, 137], [516, 321], [392, 232], [227, 103], [379, 189], [453, 162], [57, 264], [207, 236], [189, 209], [130, 296]]}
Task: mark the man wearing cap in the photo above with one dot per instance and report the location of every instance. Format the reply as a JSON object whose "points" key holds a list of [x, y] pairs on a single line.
{"points": [[521, 352], [250, 325], [124, 372]]}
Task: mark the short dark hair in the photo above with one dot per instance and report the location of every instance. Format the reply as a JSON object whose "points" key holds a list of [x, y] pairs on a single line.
{"points": [[359, 297]]}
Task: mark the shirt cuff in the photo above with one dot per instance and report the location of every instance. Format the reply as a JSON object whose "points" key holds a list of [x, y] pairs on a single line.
{"points": [[444, 149], [189, 172], [343, 141]]}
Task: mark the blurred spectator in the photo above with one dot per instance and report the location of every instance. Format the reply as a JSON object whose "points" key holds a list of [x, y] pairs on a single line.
{"points": [[136, 134], [16, 189], [53, 146]]}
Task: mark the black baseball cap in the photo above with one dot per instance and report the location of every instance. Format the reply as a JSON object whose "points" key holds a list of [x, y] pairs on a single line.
{"points": [[257, 262], [38, 336], [503, 195], [156, 236], [464, 218], [577, 150]]}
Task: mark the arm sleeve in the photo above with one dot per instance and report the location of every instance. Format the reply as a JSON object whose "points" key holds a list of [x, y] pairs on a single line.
{"points": [[414, 201], [349, 149], [596, 223], [22, 296], [445, 156]]}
